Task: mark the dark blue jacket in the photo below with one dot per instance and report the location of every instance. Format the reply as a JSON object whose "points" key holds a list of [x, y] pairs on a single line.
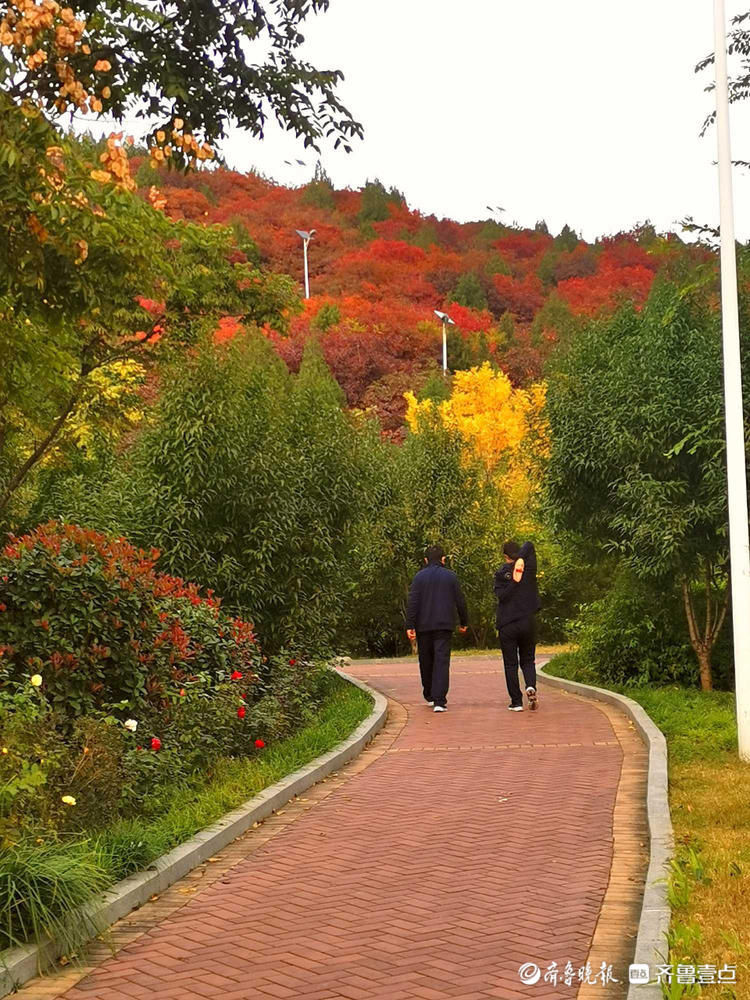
{"points": [[434, 598], [517, 600]]}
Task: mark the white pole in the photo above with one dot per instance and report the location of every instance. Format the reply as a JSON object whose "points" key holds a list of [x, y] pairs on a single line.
{"points": [[739, 543], [445, 348], [307, 277]]}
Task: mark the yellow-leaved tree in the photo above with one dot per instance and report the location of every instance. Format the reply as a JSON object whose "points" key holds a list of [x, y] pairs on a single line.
{"points": [[503, 426]]}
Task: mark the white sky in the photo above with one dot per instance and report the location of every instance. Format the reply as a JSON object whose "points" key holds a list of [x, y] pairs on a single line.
{"points": [[578, 111]]}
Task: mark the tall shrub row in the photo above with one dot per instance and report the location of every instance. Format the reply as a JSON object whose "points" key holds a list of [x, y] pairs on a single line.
{"points": [[263, 486]]}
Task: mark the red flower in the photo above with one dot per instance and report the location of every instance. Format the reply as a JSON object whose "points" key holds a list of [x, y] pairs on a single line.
{"points": [[236, 675], [244, 697], [182, 692], [292, 662], [155, 743], [259, 744], [139, 748], [241, 712]]}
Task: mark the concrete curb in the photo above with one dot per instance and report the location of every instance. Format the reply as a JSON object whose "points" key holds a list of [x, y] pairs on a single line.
{"points": [[19, 965], [651, 945]]}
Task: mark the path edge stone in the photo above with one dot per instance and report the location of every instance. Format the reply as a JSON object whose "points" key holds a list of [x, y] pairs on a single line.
{"points": [[19, 965], [651, 943]]}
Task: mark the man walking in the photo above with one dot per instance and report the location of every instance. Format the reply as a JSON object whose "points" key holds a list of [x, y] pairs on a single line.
{"points": [[517, 604], [435, 597]]}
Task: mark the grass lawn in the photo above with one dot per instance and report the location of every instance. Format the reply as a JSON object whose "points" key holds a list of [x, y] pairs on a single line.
{"points": [[541, 650], [40, 882], [709, 793]]}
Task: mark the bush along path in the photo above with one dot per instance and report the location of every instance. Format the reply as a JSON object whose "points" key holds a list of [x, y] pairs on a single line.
{"points": [[457, 849], [134, 712]]}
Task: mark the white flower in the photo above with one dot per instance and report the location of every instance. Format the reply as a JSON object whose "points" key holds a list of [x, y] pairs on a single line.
{"points": [[36, 680], [131, 724], [69, 800]]}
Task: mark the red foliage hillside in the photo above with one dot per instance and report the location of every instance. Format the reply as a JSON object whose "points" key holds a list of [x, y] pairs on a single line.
{"points": [[379, 269]]}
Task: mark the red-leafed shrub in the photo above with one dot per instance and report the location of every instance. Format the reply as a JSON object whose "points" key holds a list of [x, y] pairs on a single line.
{"points": [[188, 204], [579, 263], [90, 615], [604, 290], [523, 298], [522, 362], [626, 253], [523, 245], [469, 320]]}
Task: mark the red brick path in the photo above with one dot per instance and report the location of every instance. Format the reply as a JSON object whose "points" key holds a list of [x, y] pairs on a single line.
{"points": [[480, 840]]}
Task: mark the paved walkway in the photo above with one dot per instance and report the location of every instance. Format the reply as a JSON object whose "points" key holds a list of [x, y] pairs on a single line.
{"points": [[463, 846]]}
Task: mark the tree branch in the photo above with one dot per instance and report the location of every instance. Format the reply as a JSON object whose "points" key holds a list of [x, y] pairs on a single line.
{"points": [[690, 614], [19, 477]]}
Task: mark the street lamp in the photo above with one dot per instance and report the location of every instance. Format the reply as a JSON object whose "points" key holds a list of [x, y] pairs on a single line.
{"points": [[445, 319], [306, 237], [739, 542]]}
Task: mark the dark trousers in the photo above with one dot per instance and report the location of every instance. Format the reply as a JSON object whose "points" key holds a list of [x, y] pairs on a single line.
{"points": [[434, 663], [518, 641]]}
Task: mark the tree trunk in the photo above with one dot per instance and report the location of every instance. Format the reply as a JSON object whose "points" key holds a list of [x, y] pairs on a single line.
{"points": [[704, 667], [702, 639]]}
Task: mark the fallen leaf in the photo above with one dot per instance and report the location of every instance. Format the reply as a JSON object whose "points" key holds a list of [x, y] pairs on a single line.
{"points": [[152, 899], [214, 859], [188, 891]]}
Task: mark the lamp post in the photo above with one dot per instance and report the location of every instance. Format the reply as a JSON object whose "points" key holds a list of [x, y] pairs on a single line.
{"points": [[445, 318], [306, 237], [739, 543]]}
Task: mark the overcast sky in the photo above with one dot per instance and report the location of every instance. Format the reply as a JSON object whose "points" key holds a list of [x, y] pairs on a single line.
{"points": [[578, 111]]}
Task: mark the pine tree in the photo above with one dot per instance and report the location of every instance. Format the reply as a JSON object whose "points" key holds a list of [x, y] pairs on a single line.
{"points": [[469, 292], [567, 238]]}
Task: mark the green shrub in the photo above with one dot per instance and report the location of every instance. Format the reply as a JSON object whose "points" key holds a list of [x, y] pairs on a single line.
{"points": [[33, 753], [635, 635], [43, 760], [248, 480], [570, 577]]}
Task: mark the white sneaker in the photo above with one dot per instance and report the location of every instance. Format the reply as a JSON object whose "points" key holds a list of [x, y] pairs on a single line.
{"points": [[515, 708], [533, 698], [430, 703], [440, 708]]}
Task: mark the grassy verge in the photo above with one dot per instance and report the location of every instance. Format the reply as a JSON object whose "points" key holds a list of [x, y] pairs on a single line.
{"points": [[709, 793], [40, 883], [541, 650]]}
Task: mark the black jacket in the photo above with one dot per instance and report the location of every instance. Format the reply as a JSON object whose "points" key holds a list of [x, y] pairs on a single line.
{"points": [[517, 600], [434, 598]]}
